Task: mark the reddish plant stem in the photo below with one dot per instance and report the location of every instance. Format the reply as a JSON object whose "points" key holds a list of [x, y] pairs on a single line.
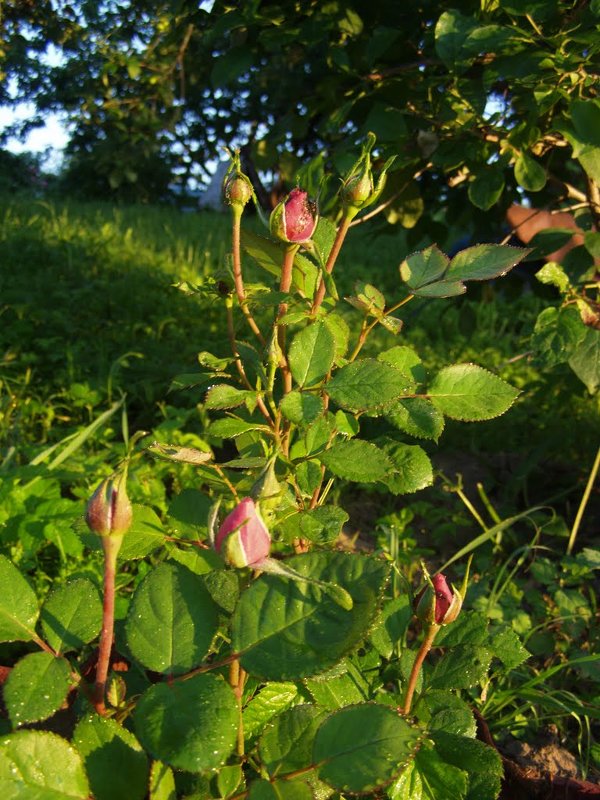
{"points": [[285, 284], [111, 546], [238, 280], [332, 258], [426, 644]]}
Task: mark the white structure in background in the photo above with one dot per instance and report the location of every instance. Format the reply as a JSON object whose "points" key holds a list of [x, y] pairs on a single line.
{"points": [[212, 196]]}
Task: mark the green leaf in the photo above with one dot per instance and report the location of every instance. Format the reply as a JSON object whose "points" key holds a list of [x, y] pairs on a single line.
{"points": [[529, 174], [470, 393], [451, 31], [418, 417], [440, 781], [188, 513], [18, 605], [585, 361], [230, 65], [357, 460], [286, 630], [228, 779], [557, 334], [341, 333], [36, 687], [286, 745], [553, 274], [115, 764], [301, 408], [162, 782], [320, 525], [334, 692], [471, 627], [486, 188], [482, 763], [231, 427], [144, 536], [392, 625], [484, 261], [441, 289], [408, 785], [585, 138], [362, 747], [423, 267], [284, 789], [413, 470], [191, 724], [198, 561], [171, 620], [592, 243], [223, 396], [311, 354], [406, 360], [506, 645], [461, 667], [35, 765], [367, 384], [271, 700], [447, 712], [72, 615], [269, 255]]}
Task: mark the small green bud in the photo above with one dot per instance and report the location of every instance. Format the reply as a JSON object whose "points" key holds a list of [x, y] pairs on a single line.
{"points": [[237, 187]]}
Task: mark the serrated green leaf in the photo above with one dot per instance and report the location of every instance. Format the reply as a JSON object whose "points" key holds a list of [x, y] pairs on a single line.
{"points": [[441, 289], [553, 274], [357, 460], [162, 782], [482, 763], [301, 408], [423, 267], [36, 765], [471, 627], [470, 393], [416, 416], [171, 620], [231, 427], [269, 255], [332, 693], [406, 360], [222, 396], [367, 384], [506, 645], [392, 625], [484, 261], [440, 779], [228, 779], [311, 354], [271, 700], [188, 513], [412, 468], [408, 785], [191, 724], [284, 789], [447, 712], [557, 334], [36, 687], [286, 630], [461, 667], [18, 605], [115, 763], [286, 745], [319, 525], [72, 615], [529, 174], [362, 747], [341, 333]]}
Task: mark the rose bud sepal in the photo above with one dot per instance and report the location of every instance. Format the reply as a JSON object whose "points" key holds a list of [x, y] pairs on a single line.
{"points": [[109, 511], [243, 538]]}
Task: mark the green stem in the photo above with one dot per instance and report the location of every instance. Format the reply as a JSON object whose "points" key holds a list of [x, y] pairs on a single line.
{"points": [[416, 669], [583, 504], [238, 279], [111, 546], [237, 677], [332, 258]]}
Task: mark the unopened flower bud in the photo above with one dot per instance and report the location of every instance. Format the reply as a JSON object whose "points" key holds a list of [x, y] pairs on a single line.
{"points": [[441, 604], [359, 189], [295, 218], [243, 539], [237, 188], [109, 511]]}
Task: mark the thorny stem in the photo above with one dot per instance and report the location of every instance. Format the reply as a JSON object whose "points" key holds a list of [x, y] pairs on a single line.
{"points": [[237, 274], [332, 258], [284, 286], [584, 501], [111, 546], [414, 674], [237, 678]]}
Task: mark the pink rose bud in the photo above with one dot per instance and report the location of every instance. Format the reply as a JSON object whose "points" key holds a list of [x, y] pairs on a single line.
{"points": [[439, 604], [294, 219], [243, 539], [109, 511]]}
